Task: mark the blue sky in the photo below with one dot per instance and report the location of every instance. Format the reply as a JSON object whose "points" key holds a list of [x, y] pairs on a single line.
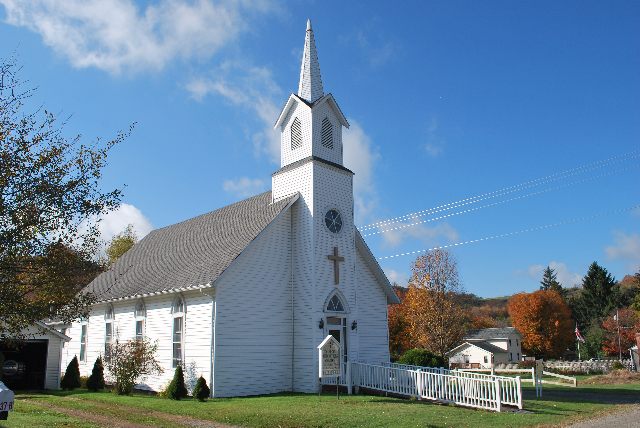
{"points": [[447, 100]]}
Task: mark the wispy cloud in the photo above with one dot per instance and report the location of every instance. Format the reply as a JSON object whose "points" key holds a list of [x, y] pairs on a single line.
{"points": [[376, 48], [361, 156], [251, 88], [122, 36], [244, 186], [563, 273], [435, 143], [399, 278], [625, 247], [429, 235]]}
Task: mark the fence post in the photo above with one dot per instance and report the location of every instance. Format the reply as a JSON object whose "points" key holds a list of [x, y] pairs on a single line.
{"points": [[533, 375], [496, 382], [519, 392], [349, 381], [418, 384]]}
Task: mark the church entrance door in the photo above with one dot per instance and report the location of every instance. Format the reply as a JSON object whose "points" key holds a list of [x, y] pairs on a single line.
{"points": [[337, 327]]}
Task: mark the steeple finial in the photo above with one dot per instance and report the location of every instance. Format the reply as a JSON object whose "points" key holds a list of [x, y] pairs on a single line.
{"points": [[310, 86]]}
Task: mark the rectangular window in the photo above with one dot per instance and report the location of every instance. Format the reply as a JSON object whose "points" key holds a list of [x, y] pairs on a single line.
{"points": [[139, 329], [83, 342], [486, 360], [510, 356], [108, 338], [177, 341]]}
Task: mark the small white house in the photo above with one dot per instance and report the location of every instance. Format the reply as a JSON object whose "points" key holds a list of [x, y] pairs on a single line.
{"points": [[34, 364], [485, 347], [476, 355], [244, 294]]}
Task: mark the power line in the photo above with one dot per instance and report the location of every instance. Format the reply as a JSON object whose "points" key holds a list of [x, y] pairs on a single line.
{"points": [[515, 198], [507, 190], [503, 235]]}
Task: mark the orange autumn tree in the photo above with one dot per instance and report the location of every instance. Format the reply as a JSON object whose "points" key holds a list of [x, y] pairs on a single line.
{"points": [[434, 318], [544, 320], [399, 341], [629, 324]]}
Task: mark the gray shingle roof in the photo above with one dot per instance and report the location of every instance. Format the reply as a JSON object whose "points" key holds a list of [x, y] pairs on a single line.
{"points": [[491, 333], [488, 347], [188, 254]]}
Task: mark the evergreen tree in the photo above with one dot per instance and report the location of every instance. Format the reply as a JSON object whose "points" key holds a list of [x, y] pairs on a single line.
{"points": [[71, 379], [600, 296], [550, 282], [96, 380], [201, 391], [177, 389]]}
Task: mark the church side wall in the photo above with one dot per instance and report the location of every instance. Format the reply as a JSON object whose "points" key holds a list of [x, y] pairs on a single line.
{"points": [[373, 329], [253, 337], [158, 327]]}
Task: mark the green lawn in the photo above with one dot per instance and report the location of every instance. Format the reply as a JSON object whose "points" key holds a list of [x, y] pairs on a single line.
{"points": [[559, 405]]}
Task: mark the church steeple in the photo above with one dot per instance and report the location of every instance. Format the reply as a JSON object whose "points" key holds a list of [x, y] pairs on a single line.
{"points": [[310, 86]]}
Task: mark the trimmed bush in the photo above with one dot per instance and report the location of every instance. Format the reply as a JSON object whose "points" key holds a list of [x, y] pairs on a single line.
{"points": [[71, 379], [421, 357], [617, 365], [96, 380], [177, 389], [201, 391]]}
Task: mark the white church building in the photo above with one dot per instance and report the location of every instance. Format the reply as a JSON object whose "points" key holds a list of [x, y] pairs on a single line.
{"points": [[245, 293]]}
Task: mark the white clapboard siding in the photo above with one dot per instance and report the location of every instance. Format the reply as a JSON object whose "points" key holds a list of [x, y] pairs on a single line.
{"points": [[158, 327], [373, 329], [253, 332]]}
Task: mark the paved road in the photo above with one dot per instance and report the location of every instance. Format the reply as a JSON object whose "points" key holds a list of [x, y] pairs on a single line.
{"points": [[629, 418]]}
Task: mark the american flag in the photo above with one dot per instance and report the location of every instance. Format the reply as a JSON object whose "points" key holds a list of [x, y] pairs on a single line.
{"points": [[578, 335]]}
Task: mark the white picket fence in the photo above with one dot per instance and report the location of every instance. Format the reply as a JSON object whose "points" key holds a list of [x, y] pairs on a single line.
{"points": [[459, 388]]}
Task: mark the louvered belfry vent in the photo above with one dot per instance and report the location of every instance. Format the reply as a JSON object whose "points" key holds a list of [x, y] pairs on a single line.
{"points": [[296, 134], [327, 133]]}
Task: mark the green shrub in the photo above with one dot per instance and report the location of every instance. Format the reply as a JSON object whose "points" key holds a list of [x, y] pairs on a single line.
{"points": [[177, 389], [201, 391], [617, 365], [96, 380], [71, 379], [421, 357]]}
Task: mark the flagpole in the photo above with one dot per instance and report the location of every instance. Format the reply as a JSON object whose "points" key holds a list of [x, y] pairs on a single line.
{"points": [[578, 340]]}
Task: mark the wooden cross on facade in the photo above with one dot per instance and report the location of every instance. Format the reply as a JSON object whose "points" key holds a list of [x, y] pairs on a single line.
{"points": [[336, 259]]}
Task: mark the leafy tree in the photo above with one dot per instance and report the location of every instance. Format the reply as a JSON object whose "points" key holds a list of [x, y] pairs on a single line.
{"points": [[71, 378], [594, 338], [436, 320], [128, 361], [421, 357], [177, 389], [549, 281], [544, 320], [96, 380], [201, 391], [399, 340], [121, 243], [50, 196], [629, 323], [600, 295]]}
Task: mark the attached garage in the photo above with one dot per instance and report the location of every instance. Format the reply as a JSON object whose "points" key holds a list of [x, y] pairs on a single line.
{"points": [[34, 364]]}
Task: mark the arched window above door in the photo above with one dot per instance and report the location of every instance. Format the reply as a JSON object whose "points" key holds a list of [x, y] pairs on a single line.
{"points": [[335, 304]]}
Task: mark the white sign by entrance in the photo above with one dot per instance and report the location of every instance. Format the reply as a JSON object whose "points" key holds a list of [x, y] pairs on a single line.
{"points": [[329, 361]]}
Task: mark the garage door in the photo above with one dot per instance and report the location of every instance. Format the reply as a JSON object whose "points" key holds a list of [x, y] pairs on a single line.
{"points": [[25, 366]]}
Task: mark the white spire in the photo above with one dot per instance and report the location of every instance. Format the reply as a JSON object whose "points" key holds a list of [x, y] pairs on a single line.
{"points": [[310, 86]]}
